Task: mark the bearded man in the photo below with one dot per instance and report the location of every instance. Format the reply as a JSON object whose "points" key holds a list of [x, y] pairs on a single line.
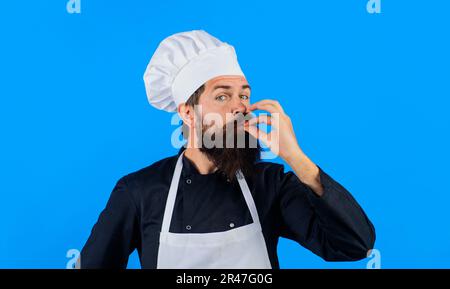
{"points": [[215, 204]]}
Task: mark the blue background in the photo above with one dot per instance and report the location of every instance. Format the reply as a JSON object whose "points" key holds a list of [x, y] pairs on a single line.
{"points": [[368, 95]]}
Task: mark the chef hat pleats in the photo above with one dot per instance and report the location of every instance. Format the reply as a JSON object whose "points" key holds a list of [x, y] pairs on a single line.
{"points": [[182, 63]]}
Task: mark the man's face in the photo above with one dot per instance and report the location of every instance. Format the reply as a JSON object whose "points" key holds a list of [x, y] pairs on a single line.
{"points": [[225, 96], [225, 100]]}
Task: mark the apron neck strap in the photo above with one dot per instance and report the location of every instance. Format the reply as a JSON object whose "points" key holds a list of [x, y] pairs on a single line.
{"points": [[170, 203], [247, 196]]}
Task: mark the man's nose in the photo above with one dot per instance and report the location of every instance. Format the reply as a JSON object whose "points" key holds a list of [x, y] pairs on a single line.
{"points": [[239, 107]]}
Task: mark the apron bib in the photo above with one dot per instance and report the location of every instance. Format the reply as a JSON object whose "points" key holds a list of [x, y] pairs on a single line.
{"points": [[240, 248]]}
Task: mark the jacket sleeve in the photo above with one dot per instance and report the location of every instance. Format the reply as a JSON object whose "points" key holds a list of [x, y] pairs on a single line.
{"points": [[115, 234], [333, 226]]}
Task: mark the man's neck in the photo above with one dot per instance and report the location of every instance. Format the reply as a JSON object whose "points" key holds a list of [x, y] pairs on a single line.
{"points": [[200, 160]]}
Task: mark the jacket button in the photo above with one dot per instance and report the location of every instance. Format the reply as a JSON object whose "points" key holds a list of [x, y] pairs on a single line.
{"points": [[188, 227], [188, 181], [231, 225]]}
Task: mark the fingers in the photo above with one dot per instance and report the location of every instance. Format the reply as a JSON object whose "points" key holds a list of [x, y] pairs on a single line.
{"points": [[271, 106]]}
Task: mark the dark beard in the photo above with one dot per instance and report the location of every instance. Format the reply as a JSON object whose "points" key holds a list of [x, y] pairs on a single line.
{"points": [[229, 160]]}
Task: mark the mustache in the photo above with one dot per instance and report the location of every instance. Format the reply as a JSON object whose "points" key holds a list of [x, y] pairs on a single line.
{"points": [[232, 132]]}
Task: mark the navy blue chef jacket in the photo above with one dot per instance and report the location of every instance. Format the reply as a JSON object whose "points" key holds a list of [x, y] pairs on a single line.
{"points": [[332, 226]]}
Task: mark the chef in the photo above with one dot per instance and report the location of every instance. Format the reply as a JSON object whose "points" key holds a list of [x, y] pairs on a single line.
{"points": [[221, 206]]}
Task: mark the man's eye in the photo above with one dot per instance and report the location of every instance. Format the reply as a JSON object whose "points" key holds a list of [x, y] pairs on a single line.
{"points": [[244, 97], [221, 97]]}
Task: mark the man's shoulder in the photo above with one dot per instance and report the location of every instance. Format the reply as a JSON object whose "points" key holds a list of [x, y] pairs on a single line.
{"points": [[155, 172], [269, 172], [269, 167]]}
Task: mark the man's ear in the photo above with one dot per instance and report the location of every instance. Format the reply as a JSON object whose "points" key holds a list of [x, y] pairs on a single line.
{"points": [[186, 113]]}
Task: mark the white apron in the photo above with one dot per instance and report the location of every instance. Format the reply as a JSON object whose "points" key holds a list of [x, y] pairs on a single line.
{"points": [[240, 248]]}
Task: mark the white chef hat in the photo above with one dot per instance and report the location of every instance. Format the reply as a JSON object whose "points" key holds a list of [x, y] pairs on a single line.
{"points": [[182, 63]]}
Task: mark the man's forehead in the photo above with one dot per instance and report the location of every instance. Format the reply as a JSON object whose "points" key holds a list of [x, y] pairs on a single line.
{"points": [[227, 81]]}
